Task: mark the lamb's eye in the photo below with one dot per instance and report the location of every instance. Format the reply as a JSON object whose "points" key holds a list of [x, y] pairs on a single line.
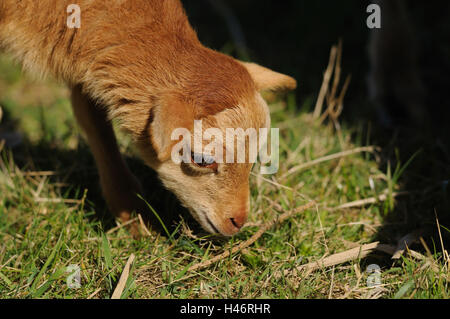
{"points": [[205, 161]]}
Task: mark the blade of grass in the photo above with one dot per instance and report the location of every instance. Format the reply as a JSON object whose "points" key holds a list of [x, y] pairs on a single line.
{"points": [[157, 216], [44, 287], [7, 281], [404, 289], [47, 263], [106, 252], [400, 169]]}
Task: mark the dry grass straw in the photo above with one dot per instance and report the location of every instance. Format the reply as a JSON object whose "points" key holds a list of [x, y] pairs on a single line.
{"points": [[359, 252], [300, 167], [123, 278], [330, 93], [368, 201]]}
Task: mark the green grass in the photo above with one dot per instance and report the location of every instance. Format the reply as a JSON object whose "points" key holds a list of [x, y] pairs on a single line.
{"points": [[52, 215]]}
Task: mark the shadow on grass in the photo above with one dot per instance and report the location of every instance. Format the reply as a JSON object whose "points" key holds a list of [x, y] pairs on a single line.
{"points": [[76, 173], [425, 179]]}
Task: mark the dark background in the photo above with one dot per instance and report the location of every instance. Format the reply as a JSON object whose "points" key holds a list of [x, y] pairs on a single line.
{"points": [[295, 37]]}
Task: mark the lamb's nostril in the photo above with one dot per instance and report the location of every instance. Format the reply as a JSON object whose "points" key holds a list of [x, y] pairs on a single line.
{"points": [[236, 223]]}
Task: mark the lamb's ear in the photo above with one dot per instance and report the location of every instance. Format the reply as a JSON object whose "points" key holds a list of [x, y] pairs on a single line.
{"points": [[169, 114], [266, 79]]}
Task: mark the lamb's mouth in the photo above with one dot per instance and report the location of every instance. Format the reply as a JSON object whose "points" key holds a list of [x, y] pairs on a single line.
{"points": [[210, 223]]}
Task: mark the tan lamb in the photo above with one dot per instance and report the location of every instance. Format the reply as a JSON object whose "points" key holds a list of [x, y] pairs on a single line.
{"points": [[140, 62]]}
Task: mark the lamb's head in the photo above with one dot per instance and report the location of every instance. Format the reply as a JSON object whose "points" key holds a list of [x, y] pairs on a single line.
{"points": [[205, 143]]}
